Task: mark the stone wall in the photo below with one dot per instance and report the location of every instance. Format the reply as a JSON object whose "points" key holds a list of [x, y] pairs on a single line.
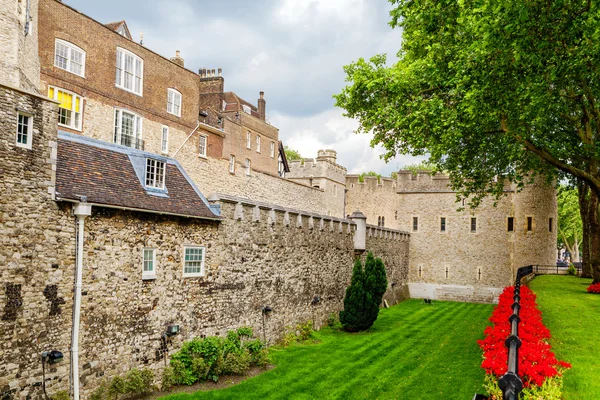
{"points": [[37, 243], [259, 255], [212, 175], [374, 198], [19, 64]]}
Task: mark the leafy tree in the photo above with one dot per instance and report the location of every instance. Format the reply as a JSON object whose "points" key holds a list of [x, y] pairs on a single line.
{"points": [[361, 177], [491, 88], [423, 166], [364, 295], [291, 154], [570, 227]]}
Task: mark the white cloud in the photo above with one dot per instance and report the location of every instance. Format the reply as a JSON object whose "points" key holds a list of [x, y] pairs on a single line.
{"points": [[331, 130]]}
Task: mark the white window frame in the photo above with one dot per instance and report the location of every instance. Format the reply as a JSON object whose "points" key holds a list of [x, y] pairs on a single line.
{"points": [[246, 109], [69, 56], [172, 97], [248, 140], [137, 128], [151, 274], [202, 262], [248, 166], [272, 149], [120, 71], [202, 145], [258, 143], [29, 133], [232, 164], [78, 126], [164, 140], [158, 171]]}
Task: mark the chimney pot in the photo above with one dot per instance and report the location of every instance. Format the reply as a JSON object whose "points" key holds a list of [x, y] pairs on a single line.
{"points": [[213, 72], [177, 53], [262, 106], [220, 71]]}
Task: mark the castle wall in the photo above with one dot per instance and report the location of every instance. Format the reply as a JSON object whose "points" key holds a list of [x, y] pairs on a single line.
{"points": [[374, 199], [19, 63], [537, 246], [37, 243], [212, 175]]}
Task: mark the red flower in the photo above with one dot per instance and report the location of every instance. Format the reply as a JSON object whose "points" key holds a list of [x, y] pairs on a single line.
{"points": [[594, 288], [536, 359]]}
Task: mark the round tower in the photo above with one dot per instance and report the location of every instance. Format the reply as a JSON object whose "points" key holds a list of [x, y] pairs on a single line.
{"points": [[534, 224]]}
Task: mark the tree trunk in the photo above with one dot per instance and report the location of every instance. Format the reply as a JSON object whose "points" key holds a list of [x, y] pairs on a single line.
{"points": [[584, 204], [594, 238], [576, 251]]}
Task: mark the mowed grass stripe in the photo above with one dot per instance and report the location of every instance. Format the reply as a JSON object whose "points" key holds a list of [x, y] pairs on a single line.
{"points": [[573, 317], [414, 351]]}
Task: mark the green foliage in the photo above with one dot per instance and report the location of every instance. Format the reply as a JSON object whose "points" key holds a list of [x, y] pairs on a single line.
{"points": [[236, 363], [364, 295], [421, 167], [299, 333], [394, 175], [117, 387], [62, 395], [291, 154], [571, 270], [208, 358], [168, 379], [361, 177], [570, 226], [139, 382], [333, 321], [550, 390]]}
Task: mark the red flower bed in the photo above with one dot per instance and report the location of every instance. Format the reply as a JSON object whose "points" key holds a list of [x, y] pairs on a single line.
{"points": [[594, 288], [536, 360]]}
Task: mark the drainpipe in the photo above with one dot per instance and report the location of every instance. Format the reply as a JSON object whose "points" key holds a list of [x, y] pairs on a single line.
{"points": [[81, 211]]}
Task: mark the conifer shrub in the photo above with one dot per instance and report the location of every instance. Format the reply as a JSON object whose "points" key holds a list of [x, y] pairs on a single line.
{"points": [[364, 295]]}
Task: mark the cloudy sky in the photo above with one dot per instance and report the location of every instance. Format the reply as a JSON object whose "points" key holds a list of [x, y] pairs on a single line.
{"points": [[293, 50]]}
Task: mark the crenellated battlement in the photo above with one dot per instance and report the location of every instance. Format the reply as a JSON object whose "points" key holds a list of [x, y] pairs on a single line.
{"points": [[371, 183], [422, 181]]}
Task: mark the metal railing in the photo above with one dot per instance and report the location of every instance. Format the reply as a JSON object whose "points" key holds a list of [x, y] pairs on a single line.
{"points": [[510, 383], [555, 269]]}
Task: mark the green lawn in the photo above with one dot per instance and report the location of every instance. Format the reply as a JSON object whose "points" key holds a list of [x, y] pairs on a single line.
{"points": [[573, 317], [415, 351]]}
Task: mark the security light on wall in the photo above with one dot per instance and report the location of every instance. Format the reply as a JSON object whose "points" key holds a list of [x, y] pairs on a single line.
{"points": [[172, 330], [266, 309]]}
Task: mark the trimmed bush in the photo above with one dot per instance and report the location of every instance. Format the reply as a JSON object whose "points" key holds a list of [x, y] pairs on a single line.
{"points": [[364, 295]]}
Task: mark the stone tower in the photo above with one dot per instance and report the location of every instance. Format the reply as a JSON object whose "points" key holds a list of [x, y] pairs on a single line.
{"points": [[20, 64]]}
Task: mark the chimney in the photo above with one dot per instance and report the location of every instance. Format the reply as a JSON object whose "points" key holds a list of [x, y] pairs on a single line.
{"points": [[220, 71], [262, 106], [177, 59]]}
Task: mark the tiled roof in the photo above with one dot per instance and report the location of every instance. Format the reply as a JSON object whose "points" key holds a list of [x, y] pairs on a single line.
{"points": [[116, 25], [234, 103], [111, 175]]}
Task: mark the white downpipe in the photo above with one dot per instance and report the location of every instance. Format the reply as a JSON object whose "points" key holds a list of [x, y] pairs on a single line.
{"points": [[81, 210], [189, 136]]}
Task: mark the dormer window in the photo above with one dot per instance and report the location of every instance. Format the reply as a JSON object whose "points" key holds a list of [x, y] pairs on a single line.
{"points": [[69, 57], [130, 71], [155, 174], [246, 109], [174, 102]]}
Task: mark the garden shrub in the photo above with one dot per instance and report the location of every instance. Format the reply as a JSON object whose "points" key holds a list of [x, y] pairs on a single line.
{"points": [[538, 367], [571, 269], [333, 321], [208, 358], [139, 382], [236, 363], [168, 379], [117, 387], [299, 333], [364, 295], [62, 395]]}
